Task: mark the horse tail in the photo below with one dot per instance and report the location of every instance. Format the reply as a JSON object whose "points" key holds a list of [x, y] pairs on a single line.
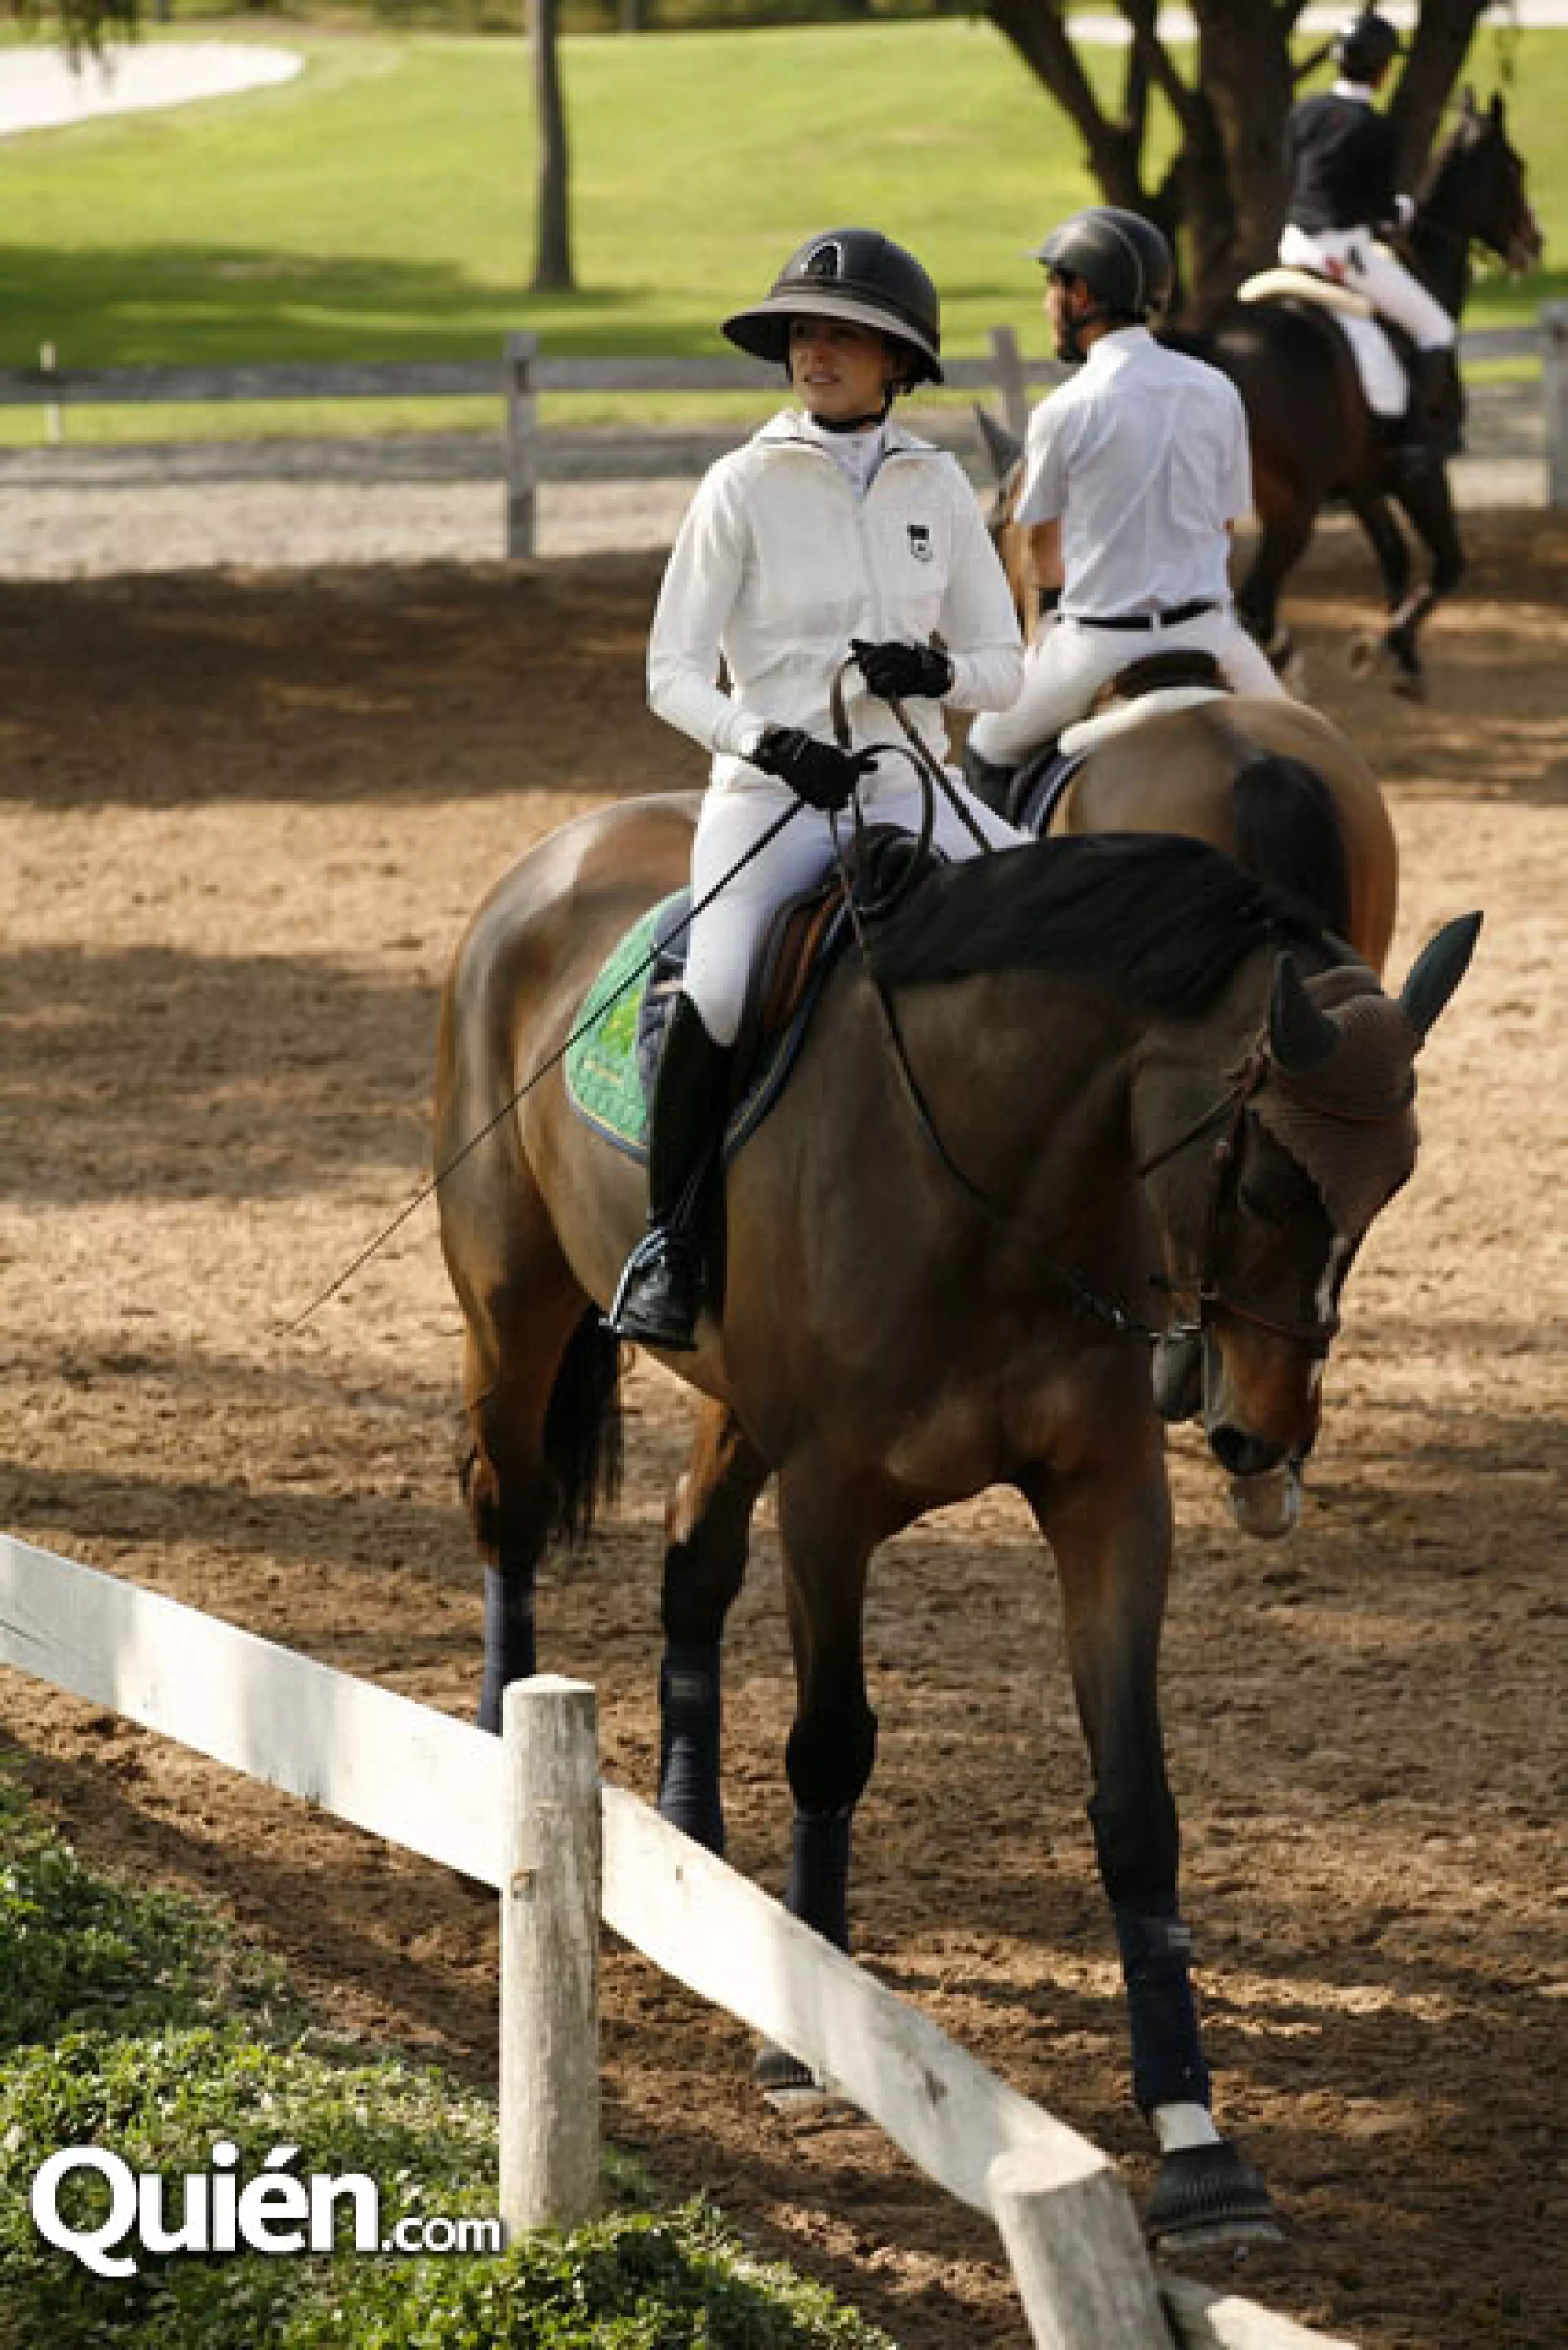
{"points": [[583, 1429], [1288, 834]]}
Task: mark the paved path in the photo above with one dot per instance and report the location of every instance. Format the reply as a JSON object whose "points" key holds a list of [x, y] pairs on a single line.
{"points": [[40, 90]]}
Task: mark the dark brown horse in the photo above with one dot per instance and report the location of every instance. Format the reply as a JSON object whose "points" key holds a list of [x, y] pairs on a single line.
{"points": [[1314, 437], [1142, 1086]]}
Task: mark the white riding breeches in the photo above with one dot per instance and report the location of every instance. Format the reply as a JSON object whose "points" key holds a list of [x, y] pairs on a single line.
{"points": [[1353, 257], [725, 937], [1068, 662]]}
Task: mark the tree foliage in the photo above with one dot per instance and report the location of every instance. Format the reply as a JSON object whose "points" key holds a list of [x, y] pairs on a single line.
{"points": [[81, 27], [1221, 196]]}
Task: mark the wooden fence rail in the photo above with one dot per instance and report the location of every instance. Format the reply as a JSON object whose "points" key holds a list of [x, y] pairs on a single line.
{"points": [[524, 371], [527, 1814]]}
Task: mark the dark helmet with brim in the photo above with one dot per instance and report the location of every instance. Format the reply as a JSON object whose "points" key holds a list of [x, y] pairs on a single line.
{"points": [[1123, 259], [1366, 47], [856, 273]]}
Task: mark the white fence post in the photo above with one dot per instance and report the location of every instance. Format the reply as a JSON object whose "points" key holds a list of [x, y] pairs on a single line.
{"points": [[1077, 2252], [522, 437], [550, 1956], [1555, 398]]}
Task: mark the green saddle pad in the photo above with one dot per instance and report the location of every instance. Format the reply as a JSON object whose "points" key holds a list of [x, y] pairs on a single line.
{"points": [[602, 1074]]}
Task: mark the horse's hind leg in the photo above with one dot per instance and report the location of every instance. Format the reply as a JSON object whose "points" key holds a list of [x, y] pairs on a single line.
{"points": [[707, 1524], [542, 1425], [1285, 518]]}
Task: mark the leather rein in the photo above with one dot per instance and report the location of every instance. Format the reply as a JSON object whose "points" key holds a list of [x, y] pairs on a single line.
{"points": [[1211, 1301]]}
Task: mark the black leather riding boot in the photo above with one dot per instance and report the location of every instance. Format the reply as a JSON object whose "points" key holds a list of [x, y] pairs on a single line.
{"points": [[660, 1292], [989, 779], [1433, 424]]}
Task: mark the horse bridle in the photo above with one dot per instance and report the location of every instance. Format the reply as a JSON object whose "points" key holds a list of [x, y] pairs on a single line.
{"points": [[1212, 1301]]}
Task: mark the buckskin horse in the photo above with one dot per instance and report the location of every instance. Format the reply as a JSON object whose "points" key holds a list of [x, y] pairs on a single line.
{"points": [[1273, 783], [1119, 1077]]}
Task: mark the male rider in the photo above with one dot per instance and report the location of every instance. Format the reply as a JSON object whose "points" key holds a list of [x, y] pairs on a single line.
{"points": [[1134, 470]]}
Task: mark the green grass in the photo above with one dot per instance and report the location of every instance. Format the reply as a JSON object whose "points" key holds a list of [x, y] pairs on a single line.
{"points": [[380, 206], [132, 2021]]}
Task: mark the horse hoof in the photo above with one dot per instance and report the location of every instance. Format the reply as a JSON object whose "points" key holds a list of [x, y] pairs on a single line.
{"points": [[1365, 654], [789, 2086], [1411, 686], [1210, 2195]]}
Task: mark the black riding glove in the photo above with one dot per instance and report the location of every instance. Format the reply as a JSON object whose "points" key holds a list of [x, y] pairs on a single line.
{"points": [[902, 672], [818, 773]]}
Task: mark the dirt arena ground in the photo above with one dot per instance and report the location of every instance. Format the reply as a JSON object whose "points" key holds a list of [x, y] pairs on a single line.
{"points": [[244, 817]]}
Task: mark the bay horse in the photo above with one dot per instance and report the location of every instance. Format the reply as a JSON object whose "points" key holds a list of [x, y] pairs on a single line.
{"points": [[1315, 438], [1124, 1074]]}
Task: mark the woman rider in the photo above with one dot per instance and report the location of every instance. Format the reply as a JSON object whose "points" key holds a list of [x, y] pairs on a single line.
{"points": [[832, 532]]}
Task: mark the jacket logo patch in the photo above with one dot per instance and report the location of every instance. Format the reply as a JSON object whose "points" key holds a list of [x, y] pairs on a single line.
{"points": [[920, 541]]}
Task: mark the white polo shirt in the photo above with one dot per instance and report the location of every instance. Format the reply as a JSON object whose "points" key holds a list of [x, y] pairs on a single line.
{"points": [[1142, 456]]}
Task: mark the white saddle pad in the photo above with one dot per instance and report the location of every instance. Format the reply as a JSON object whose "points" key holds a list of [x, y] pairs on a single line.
{"points": [[1382, 376]]}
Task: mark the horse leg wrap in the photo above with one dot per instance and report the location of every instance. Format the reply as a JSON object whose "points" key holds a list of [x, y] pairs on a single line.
{"points": [[1162, 2013], [691, 1710], [818, 1888], [510, 1653]]}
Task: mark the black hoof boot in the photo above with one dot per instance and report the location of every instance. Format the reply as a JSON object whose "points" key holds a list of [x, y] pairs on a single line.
{"points": [[1210, 2195], [788, 2085], [660, 1294]]}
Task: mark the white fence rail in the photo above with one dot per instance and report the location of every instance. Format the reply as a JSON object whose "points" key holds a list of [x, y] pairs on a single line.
{"points": [[528, 1815], [526, 371]]}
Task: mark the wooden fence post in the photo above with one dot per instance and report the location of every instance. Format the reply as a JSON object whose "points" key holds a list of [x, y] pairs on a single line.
{"points": [[522, 437], [1555, 398], [1077, 2252], [1012, 380], [550, 1891]]}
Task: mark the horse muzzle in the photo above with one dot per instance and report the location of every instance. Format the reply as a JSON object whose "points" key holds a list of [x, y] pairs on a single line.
{"points": [[1268, 1504]]}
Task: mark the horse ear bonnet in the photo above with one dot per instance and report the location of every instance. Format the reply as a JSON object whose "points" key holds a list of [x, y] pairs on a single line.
{"points": [[855, 274], [1351, 1126]]}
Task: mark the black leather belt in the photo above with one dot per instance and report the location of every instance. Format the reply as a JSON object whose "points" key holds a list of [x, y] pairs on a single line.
{"points": [[1171, 620]]}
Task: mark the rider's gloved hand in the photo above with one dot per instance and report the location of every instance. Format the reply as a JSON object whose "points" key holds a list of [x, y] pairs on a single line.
{"points": [[902, 672], [818, 773]]}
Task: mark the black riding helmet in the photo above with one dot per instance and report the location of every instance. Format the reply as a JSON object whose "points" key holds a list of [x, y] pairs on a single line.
{"points": [[1122, 258], [1366, 47], [848, 272]]}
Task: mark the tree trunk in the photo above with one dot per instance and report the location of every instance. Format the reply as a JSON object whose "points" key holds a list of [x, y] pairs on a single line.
{"points": [[552, 242], [1437, 59]]}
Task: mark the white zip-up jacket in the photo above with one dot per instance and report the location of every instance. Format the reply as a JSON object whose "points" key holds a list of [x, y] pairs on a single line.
{"points": [[777, 566]]}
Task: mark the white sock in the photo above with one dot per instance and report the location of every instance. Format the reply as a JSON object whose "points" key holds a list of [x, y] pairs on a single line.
{"points": [[1179, 2126]]}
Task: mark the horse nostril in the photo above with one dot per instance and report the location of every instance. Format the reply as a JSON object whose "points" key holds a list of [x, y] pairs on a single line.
{"points": [[1240, 1455]]}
